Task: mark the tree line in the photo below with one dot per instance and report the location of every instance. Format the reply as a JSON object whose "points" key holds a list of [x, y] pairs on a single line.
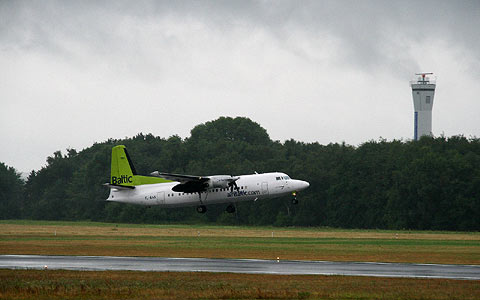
{"points": [[433, 183]]}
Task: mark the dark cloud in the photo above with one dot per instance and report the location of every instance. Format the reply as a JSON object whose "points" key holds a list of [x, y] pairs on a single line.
{"points": [[372, 33]]}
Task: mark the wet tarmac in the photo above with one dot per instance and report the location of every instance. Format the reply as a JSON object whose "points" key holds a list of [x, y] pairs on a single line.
{"points": [[248, 266]]}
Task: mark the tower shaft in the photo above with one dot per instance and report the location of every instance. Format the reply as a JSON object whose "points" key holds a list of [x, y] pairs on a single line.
{"points": [[423, 92]]}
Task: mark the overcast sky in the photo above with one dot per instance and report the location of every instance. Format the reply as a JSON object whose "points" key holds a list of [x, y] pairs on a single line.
{"points": [[77, 72]]}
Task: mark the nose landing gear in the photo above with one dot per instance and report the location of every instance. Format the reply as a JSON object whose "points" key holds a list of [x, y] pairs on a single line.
{"points": [[294, 200]]}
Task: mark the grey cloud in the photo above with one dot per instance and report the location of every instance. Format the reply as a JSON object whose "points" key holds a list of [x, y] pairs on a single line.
{"points": [[368, 30], [185, 51]]}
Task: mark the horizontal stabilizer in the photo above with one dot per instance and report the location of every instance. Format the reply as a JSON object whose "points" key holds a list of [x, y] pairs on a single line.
{"points": [[120, 187]]}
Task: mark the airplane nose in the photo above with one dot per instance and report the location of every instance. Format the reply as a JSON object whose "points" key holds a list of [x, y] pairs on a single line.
{"points": [[303, 185], [306, 184]]}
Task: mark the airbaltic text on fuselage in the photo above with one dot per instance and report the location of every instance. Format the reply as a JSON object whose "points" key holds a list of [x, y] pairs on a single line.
{"points": [[243, 193], [229, 194], [121, 179]]}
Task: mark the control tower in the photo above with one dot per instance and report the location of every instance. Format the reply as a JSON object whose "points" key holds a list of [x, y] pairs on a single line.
{"points": [[423, 90]]}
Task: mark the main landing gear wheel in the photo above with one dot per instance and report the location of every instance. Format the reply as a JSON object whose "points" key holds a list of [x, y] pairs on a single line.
{"points": [[230, 209], [201, 209], [294, 201]]}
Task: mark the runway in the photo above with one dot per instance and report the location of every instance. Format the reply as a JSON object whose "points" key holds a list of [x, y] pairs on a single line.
{"points": [[249, 266]]}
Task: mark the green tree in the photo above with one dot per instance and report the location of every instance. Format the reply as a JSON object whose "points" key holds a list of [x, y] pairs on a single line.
{"points": [[432, 183], [11, 192]]}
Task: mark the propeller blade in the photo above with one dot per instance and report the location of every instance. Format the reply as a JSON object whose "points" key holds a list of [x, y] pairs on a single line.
{"points": [[233, 183]]}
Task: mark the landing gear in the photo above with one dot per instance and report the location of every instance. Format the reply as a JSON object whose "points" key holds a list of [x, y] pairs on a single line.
{"points": [[294, 200], [230, 209], [201, 209]]}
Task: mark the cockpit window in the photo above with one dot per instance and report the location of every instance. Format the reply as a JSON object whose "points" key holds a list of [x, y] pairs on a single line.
{"points": [[278, 178]]}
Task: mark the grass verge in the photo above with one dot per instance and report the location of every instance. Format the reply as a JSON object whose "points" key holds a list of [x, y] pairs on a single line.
{"points": [[59, 284], [89, 238]]}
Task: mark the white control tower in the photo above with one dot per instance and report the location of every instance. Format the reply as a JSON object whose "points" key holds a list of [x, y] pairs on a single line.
{"points": [[423, 90]]}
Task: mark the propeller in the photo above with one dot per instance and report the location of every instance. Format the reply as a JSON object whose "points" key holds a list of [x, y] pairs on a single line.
{"points": [[233, 184]]}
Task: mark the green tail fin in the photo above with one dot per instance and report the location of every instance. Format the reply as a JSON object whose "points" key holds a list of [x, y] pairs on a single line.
{"points": [[123, 172]]}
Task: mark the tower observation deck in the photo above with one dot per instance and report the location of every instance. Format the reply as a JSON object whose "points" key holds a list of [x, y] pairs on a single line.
{"points": [[423, 91]]}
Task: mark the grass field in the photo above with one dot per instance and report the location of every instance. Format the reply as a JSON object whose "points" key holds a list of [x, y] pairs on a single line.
{"points": [[89, 238], [56, 284]]}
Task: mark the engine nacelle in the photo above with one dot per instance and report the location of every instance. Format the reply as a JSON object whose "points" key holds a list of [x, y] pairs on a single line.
{"points": [[221, 181]]}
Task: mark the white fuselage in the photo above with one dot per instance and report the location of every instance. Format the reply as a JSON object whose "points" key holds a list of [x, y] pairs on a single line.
{"points": [[250, 187]]}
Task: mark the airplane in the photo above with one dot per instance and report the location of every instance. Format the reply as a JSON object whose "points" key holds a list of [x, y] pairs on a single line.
{"points": [[177, 190]]}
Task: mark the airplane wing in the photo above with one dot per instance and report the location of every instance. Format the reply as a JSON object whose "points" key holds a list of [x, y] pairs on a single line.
{"points": [[198, 184], [180, 177], [188, 183]]}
